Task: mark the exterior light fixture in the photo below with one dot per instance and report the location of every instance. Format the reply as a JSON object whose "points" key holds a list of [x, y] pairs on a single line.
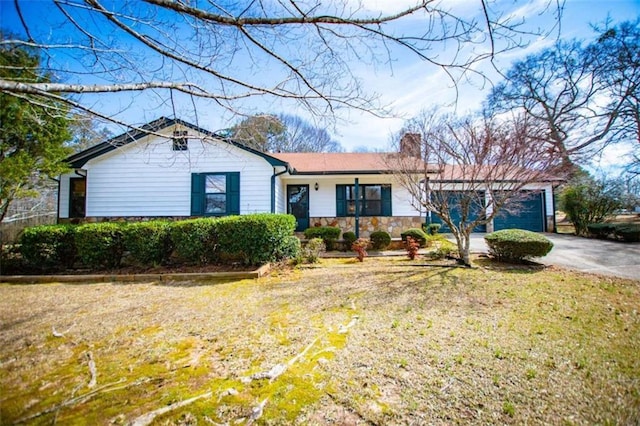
{"points": [[316, 186]]}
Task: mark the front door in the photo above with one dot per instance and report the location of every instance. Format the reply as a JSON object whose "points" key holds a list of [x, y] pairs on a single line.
{"points": [[77, 196], [298, 205]]}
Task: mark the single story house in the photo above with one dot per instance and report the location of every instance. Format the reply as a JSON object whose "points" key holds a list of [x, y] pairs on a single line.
{"points": [[174, 169]]}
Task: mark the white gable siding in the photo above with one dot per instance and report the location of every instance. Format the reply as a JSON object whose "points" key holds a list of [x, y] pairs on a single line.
{"points": [[148, 178]]}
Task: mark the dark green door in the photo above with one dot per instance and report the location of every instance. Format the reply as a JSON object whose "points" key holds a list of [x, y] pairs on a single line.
{"points": [[77, 197], [298, 205]]}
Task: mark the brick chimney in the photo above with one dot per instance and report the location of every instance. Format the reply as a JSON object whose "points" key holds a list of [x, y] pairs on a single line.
{"points": [[410, 144]]}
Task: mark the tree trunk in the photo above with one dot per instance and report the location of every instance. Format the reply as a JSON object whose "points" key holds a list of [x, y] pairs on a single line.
{"points": [[463, 240], [465, 256]]}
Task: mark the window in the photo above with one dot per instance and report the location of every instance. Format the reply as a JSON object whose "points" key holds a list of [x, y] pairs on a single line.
{"points": [[215, 194], [372, 200], [215, 190], [180, 141]]}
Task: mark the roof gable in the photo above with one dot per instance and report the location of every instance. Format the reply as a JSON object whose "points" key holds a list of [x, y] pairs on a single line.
{"points": [[79, 159]]}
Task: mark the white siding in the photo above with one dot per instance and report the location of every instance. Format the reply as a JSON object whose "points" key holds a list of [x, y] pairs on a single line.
{"points": [[148, 178], [322, 203], [63, 197], [549, 200], [281, 196]]}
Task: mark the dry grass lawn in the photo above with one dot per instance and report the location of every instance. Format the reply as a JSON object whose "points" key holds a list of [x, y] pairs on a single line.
{"points": [[382, 342]]}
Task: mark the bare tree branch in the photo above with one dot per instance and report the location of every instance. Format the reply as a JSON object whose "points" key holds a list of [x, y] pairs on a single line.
{"points": [[299, 52], [469, 170]]}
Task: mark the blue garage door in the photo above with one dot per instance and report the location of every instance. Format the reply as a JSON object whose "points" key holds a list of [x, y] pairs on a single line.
{"points": [[529, 215], [454, 203]]}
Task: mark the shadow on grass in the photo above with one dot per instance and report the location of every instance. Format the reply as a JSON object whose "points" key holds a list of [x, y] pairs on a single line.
{"points": [[523, 267]]}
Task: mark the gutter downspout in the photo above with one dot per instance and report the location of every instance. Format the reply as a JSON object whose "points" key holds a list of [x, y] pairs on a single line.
{"points": [[57, 200], [273, 187], [553, 209]]}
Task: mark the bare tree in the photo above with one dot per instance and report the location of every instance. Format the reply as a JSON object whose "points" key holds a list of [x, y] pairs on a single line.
{"points": [[262, 132], [303, 136], [616, 63], [87, 131], [281, 133], [581, 97], [228, 54], [467, 170]]}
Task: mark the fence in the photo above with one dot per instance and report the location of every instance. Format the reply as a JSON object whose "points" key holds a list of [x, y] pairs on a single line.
{"points": [[9, 231]]}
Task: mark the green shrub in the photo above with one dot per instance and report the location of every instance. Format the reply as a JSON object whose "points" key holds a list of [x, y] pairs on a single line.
{"points": [[628, 232], [380, 240], [433, 228], [444, 249], [100, 245], [349, 238], [313, 248], [48, 247], [11, 261], [254, 239], [148, 243], [586, 201], [601, 230], [194, 241], [329, 235], [432, 239], [290, 248], [517, 244], [415, 233]]}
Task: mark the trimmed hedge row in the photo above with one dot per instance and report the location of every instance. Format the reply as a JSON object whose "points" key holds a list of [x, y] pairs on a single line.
{"points": [[517, 244], [48, 247], [250, 239], [628, 232]]}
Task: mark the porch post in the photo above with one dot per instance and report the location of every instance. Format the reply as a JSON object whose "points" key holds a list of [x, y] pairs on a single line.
{"points": [[356, 196]]}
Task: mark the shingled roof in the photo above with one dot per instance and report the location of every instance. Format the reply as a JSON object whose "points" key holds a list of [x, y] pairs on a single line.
{"points": [[333, 163]]}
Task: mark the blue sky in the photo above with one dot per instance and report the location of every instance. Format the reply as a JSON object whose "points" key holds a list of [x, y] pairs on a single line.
{"points": [[415, 86], [408, 85]]}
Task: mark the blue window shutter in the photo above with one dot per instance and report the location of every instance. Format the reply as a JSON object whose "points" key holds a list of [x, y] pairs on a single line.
{"points": [[233, 193], [197, 194], [386, 200], [341, 204]]}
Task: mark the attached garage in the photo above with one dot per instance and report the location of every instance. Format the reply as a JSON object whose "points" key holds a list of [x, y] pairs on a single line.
{"points": [[455, 214], [529, 215]]}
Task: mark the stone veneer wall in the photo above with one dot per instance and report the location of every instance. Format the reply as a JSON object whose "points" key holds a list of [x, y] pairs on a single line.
{"points": [[393, 225]]}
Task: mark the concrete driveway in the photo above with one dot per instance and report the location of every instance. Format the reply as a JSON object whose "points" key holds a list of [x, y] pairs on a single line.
{"points": [[585, 254]]}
